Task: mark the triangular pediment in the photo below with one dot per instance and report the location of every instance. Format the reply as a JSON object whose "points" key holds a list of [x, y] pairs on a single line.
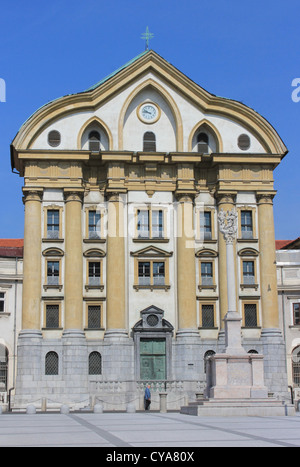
{"points": [[151, 252], [149, 69]]}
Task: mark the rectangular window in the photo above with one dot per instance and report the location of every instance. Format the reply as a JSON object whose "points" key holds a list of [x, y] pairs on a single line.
{"points": [[206, 273], [94, 225], [2, 302], [296, 314], [250, 315], [143, 224], [157, 224], [158, 273], [52, 316], [94, 273], [208, 316], [150, 223], [151, 273], [248, 272], [246, 224], [205, 225], [144, 273], [53, 223], [94, 317], [52, 272]]}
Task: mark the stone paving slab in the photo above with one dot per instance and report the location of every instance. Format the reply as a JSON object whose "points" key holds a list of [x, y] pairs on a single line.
{"points": [[146, 430]]}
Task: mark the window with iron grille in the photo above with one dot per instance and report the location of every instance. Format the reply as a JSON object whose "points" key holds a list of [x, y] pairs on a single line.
{"points": [[52, 316], [94, 141], [2, 302], [206, 273], [53, 272], [205, 225], [208, 316], [94, 317], [94, 224], [149, 142], [95, 363], [247, 224], [296, 313], [94, 273], [248, 272], [53, 223], [250, 315], [51, 364]]}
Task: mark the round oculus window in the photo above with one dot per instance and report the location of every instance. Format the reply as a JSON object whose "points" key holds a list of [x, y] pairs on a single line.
{"points": [[152, 320], [54, 138], [244, 142]]}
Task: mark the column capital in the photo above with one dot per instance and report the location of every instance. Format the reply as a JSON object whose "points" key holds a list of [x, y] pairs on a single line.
{"points": [[185, 197], [73, 194], [115, 196], [225, 198], [265, 198], [32, 194]]}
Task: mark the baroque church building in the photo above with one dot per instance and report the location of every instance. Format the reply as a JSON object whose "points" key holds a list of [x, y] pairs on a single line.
{"points": [[124, 265]]}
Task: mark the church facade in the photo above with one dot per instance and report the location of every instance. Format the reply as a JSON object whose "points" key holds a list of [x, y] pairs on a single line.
{"points": [[124, 265]]}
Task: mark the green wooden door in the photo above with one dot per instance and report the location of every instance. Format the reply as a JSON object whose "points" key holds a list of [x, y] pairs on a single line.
{"points": [[153, 359]]}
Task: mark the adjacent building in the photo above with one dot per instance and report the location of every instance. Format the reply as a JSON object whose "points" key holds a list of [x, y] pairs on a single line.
{"points": [[288, 279], [124, 265], [11, 277]]}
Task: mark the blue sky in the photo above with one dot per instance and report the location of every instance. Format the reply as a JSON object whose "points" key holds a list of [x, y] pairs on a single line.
{"points": [[247, 51]]}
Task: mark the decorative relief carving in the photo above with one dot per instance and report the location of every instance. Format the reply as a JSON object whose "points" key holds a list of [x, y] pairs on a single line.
{"points": [[228, 224]]}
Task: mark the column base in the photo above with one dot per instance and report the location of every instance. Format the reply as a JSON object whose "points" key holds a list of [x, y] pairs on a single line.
{"points": [[187, 333], [116, 335]]}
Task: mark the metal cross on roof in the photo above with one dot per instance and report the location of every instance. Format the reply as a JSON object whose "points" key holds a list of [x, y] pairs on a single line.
{"points": [[147, 36]]}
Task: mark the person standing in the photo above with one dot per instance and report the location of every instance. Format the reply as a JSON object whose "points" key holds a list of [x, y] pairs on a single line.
{"points": [[147, 398]]}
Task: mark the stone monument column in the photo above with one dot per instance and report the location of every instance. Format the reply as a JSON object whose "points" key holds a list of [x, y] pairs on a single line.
{"points": [[228, 227], [226, 202]]}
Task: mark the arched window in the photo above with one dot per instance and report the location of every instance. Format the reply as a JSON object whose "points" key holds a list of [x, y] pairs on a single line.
{"points": [[296, 366], [95, 363], [149, 142], [94, 141], [207, 354], [203, 142], [51, 364], [3, 368]]}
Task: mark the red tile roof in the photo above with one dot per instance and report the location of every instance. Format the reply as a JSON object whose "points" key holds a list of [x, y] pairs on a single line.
{"points": [[11, 247]]}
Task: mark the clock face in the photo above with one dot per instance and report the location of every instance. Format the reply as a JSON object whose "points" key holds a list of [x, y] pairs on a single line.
{"points": [[148, 113]]}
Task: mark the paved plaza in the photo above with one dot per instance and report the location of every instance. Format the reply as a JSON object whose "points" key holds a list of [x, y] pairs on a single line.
{"points": [[152, 430]]}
